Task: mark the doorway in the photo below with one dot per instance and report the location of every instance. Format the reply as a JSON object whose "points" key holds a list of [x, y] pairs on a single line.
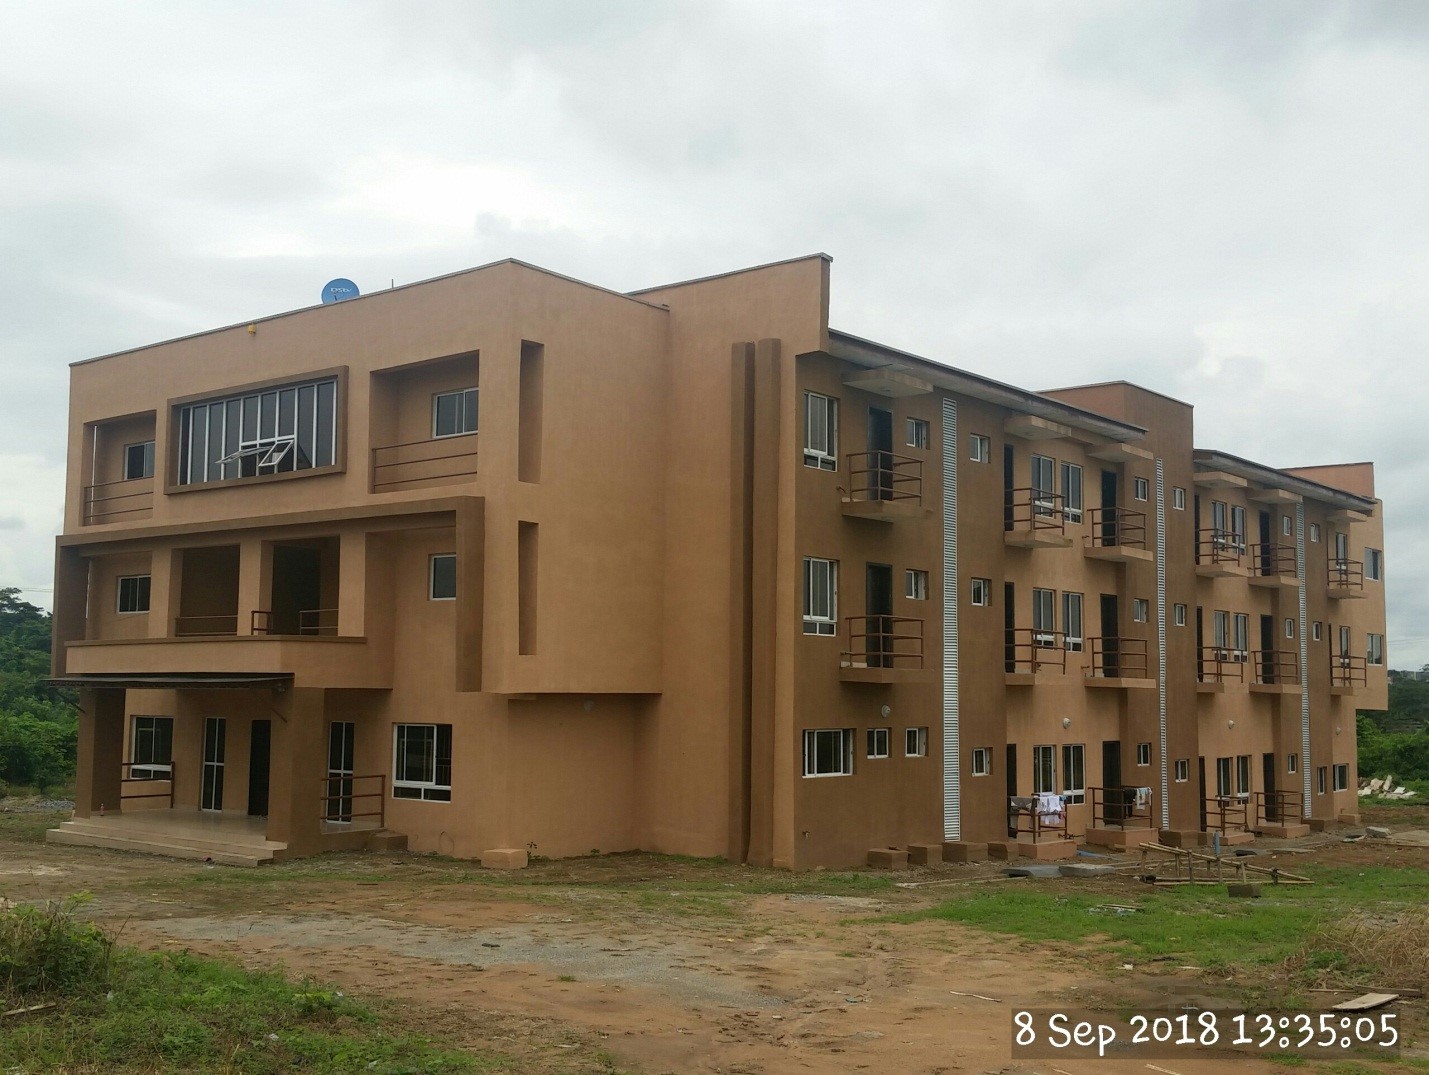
{"points": [[1111, 781], [1272, 807], [1267, 561], [341, 734], [260, 743], [880, 454], [878, 607], [1267, 650], [215, 734], [1011, 770], [1111, 636], [297, 588], [1109, 520], [1009, 626], [1201, 777]]}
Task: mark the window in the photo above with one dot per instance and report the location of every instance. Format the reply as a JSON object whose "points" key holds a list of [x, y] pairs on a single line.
{"points": [[454, 413], [915, 742], [1289, 627], [441, 577], [1140, 489], [1044, 617], [1342, 776], [1292, 763], [1072, 620], [1320, 775], [821, 431], [152, 750], [878, 742], [139, 460], [1344, 653], [1044, 769], [1220, 524], [1178, 498], [915, 585], [1374, 564], [1072, 492], [1374, 649], [1178, 615], [1183, 770], [917, 433], [272, 431], [821, 596], [1044, 493], [980, 448], [1223, 778], [1242, 776], [422, 762], [1285, 525], [1074, 776], [982, 592], [133, 593], [1242, 637], [1315, 532], [1143, 753], [828, 752], [982, 761], [1221, 633], [1238, 527], [1140, 609], [1316, 631]]}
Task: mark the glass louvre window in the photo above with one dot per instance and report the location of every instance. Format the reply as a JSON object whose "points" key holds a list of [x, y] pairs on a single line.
{"points": [[821, 431], [1074, 778], [1044, 617], [821, 585], [139, 460], [1289, 627], [828, 752], [152, 751], [1072, 492], [272, 431], [454, 413], [1285, 525], [878, 742], [1315, 532], [1072, 620], [133, 593], [1044, 769], [1317, 631], [917, 433], [422, 762]]}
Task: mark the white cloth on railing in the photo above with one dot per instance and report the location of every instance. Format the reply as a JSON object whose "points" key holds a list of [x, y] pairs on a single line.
{"points": [[1051, 808], [1143, 798]]}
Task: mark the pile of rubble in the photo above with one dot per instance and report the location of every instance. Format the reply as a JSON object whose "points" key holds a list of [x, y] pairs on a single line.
{"points": [[1384, 787]]}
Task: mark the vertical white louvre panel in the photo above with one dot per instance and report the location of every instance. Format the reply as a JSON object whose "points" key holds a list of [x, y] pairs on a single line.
{"points": [[952, 772], [1304, 661], [1161, 638]]}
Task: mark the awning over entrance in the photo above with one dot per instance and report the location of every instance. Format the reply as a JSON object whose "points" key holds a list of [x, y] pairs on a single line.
{"points": [[170, 681]]}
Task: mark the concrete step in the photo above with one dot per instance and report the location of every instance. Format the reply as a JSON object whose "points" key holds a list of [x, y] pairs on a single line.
{"points": [[228, 855], [217, 840]]}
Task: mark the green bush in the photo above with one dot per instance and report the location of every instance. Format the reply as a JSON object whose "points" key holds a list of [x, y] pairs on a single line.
{"points": [[47, 950]]}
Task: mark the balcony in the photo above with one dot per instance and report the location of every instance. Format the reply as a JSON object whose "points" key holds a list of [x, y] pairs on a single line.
{"points": [[1117, 535], [1273, 566], [309, 622], [1034, 656], [884, 486], [420, 463], [1035, 519], [1122, 817], [1277, 671], [1119, 663], [1348, 674], [119, 502], [1219, 670], [883, 649], [1344, 580], [1220, 554], [1279, 813]]}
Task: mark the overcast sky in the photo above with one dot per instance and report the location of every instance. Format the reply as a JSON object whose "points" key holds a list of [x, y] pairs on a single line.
{"points": [[1226, 202]]}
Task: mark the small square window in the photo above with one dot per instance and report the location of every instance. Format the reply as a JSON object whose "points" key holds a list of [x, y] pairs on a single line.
{"points": [[1292, 763], [1342, 777], [1289, 627], [139, 460], [1314, 531], [982, 761], [915, 742], [133, 593], [1183, 770], [1316, 631], [454, 413], [980, 448], [915, 584], [1143, 753], [917, 433], [878, 742], [1178, 498], [1140, 489], [1140, 609], [1286, 526], [982, 592], [1179, 612], [441, 577]]}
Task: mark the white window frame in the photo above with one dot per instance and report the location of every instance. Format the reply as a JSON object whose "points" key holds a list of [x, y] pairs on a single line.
{"points": [[915, 742], [1340, 776], [1072, 618], [432, 576], [468, 410], [915, 584], [1322, 775], [1225, 775], [1240, 636], [268, 448], [1074, 773], [1143, 755], [1221, 634], [918, 432], [879, 742], [1178, 498], [1178, 614], [1140, 610], [1292, 763], [980, 448], [812, 737], [1042, 478], [1221, 525], [1374, 649], [1242, 776], [1374, 564], [1315, 533], [981, 763], [1140, 489], [141, 592], [981, 592], [1044, 768], [1183, 770], [1044, 617], [427, 790], [821, 622], [146, 461], [1289, 627], [1070, 476], [825, 455], [1286, 526], [145, 768]]}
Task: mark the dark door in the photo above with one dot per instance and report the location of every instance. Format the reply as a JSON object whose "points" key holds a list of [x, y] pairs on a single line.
{"points": [[1201, 765], [1267, 649], [215, 735], [878, 599], [1009, 483], [1200, 643], [1111, 781], [1009, 623], [1265, 559], [1196, 533], [880, 453], [260, 741], [1111, 636], [1272, 807], [1108, 526], [1011, 770], [296, 587]]}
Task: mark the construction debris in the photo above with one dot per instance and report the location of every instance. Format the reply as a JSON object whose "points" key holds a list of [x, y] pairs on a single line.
{"points": [[1367, 1002], [1385, 788], [1184, 865]]}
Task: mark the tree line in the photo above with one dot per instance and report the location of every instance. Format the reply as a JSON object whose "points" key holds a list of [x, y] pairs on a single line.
{"points": [[38, 723]]}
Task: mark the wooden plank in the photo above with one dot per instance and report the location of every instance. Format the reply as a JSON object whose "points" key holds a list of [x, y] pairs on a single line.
{"points": [[1366, 1003]]}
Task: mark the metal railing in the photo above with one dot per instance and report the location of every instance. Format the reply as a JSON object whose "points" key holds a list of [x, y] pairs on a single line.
{"points": [[1123, 808], [205, 625], [1347, 670], [1117, 528], [1023, 819], [149, 768], [340, 793], [1034, 509], [884, 642], [1118, 658], [1345, 575], [1227, 813], [1216, 546], [103, 506], [1219, 664], [395, 465], [884, 476], [311, 621], [1273, 558], [1276, 666], [1030, 650], [1278, 808]]}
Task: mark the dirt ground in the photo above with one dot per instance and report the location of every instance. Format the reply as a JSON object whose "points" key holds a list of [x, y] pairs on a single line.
{"points": [[638, 963]]}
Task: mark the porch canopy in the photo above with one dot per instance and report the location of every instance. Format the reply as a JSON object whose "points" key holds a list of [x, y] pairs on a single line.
{"points": [[168, 681]]}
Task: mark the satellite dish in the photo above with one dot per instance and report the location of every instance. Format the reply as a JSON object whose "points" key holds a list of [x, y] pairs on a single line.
{"points": [[339, 289]]}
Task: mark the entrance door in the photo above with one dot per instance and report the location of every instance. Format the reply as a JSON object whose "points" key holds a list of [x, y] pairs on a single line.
{"points": [[1267, 649], [1011, 770], [1009, 625], [215, 734], [1111, 781], [339, 770], [1108, 527], [260, 740], [878, 601], [1272, 808], [1201, 762], [1111, 636], [1009, 481], [880, 454]]}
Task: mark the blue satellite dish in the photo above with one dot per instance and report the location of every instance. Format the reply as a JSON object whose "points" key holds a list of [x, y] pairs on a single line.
{"points": [[339, 289]]}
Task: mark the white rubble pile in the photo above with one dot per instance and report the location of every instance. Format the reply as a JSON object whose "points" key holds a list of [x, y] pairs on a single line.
{"points": [[1385, 788]]}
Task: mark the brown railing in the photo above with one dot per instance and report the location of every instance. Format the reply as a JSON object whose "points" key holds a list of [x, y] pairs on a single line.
{"points": [[1219, 547], [311, 621], [1274, 666], [1273, 558], [205, 625], [1345, 574], [1118, 658], [885, 476], [150, 768], [1227, 813], [1029, 650], [1119, 808], [106, 502], [340, 792], [1347, 670], [1034, 509], [1278, 808], [432, 459], [1023, 819], [1219, 664], [884, 642], [1117, 527]]}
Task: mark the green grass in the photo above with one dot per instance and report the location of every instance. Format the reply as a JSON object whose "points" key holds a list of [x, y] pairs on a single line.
{"points": [[29, 827]]}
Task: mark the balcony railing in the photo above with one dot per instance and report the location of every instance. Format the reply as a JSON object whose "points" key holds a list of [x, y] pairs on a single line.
{"points": [[885, 476], [1117, 528], [440, 459], [1228, 813], [311, 621], [1278, 808], [121, 501], [1030, 650], [1345, 576], [1276, 666], [1219, 548], [340, 795], [1123, 808], [147, 772], [1024, 819], [1347, 670], [1273, 559], [1220, 664], [1118, 658], [185, 626], [894, 642], [1034, 509]]}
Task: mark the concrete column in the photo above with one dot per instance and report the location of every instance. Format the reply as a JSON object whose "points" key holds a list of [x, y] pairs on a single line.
{"points": [[101, 751], [165, 588], [299, 762], [255, 589]]}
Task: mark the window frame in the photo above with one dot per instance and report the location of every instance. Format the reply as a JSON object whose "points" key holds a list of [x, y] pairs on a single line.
{"points": [[979, 448], [1183, 770], [1042, 484], [432, 790], [1287, 527], [1140, 489], [976, 583], [1373, 564], [432, 559], [1242, 776], [1292, 763], [917, 739], [1044, 617], [1179, 612], [918, 432], [980, 764], [1314, 533], [811, 752], [461, 394], [823, 457], [874, 736], [150, 768], [146, 460], [915, 584], [1143, 755], [1178, 498], [1044, 768], [1374, 650], [1340, 776], [1290, 627], [821, 626], [1140, 610], [1225, 777], [1322, 779], [1317, 631], [142, 594], [1069, 477], [1072, 606], [1074, 764], [1240, 637], [261, 450]]}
